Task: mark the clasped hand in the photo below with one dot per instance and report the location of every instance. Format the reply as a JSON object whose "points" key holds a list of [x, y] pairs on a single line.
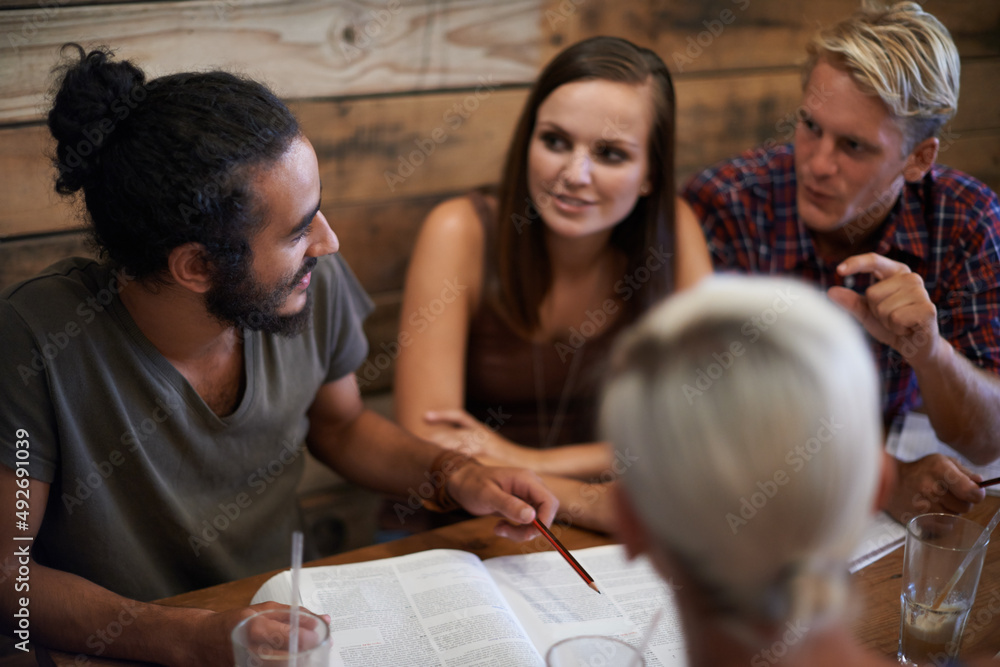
{"points": [[466, 434]]}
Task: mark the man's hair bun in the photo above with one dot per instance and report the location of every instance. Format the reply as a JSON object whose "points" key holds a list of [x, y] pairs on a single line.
{"points": [[94, 97]]}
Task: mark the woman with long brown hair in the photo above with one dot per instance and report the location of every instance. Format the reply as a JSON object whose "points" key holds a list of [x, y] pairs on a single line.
{"points": [[514, 294]]}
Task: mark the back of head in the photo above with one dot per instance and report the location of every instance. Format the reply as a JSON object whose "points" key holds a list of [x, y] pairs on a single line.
{"points": [[649, 225], [751, 406], [902, 54], [164, 162]]}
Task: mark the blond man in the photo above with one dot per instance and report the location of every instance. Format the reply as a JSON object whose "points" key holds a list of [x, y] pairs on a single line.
{"points": [[858, 206]]}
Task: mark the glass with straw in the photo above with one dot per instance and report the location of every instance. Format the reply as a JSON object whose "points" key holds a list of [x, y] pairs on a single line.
{"points": [[291, 637], [942, 560]]}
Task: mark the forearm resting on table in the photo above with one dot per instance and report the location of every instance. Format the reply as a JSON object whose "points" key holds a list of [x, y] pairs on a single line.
{"points": [[582, 462], [71, 614], [456, 429], [583, 504]]}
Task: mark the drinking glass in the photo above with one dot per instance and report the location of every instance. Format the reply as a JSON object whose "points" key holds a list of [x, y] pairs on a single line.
{"points": [[936, 545]]}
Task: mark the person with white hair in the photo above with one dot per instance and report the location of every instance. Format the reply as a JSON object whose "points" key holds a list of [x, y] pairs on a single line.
{"points": [[750, 492]]}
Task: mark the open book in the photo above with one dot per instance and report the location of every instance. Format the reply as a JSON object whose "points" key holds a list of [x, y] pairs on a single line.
{"points": [[449, 608]]}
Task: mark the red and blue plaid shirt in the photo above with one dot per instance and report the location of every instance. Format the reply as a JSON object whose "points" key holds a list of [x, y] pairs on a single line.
{"points": [[946, 228]]}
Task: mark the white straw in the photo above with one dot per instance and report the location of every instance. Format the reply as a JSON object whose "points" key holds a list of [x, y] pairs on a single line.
{"points": [[293, 635], [946, 591], [650, 630]]}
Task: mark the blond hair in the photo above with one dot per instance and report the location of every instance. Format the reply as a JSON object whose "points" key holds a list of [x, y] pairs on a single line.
{"points": [[903, 55], [752, 406]]}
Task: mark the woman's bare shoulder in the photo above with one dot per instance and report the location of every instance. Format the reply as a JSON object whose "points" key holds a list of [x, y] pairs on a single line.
{"points": [[454, 221], [450, 246]]}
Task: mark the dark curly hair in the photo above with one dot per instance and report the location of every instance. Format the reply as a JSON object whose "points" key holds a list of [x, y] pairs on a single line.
{"points": [[164, 162]]}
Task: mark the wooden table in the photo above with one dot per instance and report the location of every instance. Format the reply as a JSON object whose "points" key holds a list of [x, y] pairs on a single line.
{"points": [[876, 591]]}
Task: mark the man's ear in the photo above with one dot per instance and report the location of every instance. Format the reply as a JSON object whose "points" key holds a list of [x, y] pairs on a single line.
{"points": [[190, 268], [921, 159], [629, 529]]}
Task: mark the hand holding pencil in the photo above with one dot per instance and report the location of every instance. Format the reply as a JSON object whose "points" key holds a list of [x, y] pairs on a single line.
{"points": [[988, 482], [515, 494]]}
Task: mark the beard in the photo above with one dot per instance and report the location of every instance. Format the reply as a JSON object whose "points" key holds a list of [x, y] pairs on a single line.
{"points": [[238, 299]]}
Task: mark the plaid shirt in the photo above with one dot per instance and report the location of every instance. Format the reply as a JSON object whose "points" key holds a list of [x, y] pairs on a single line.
{"points": [[945, 228]]}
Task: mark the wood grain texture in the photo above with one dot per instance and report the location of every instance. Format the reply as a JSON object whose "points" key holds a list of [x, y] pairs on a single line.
{"points": [[384, 149], [711, 35], [370, 150], [389, 147], [376, 239], [303, 48]]}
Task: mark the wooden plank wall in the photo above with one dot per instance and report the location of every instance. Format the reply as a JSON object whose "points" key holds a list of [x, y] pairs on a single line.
{"points": [[375, 81]]}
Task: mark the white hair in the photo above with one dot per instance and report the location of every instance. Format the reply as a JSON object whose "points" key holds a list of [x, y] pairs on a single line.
{"points": [[753, 407]]}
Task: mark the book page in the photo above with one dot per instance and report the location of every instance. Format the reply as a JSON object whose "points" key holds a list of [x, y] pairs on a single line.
{"points": [[882, 536], [553, 602], [432, 608]]}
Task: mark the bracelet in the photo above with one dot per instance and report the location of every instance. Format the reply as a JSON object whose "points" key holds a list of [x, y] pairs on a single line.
{"points": [[444, 466]]}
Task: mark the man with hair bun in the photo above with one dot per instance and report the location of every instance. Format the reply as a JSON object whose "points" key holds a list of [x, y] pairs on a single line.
{"points": [[157, 403], [858, 206]]}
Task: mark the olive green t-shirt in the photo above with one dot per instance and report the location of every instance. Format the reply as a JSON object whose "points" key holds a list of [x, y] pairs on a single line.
{"points": [[152, 494]]}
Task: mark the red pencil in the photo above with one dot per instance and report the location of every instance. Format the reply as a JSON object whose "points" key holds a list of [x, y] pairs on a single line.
{"points": [[989, 482], [564, 552]]}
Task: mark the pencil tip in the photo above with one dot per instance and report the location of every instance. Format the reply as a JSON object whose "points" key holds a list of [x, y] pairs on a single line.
{"points": [[594, 586]]}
